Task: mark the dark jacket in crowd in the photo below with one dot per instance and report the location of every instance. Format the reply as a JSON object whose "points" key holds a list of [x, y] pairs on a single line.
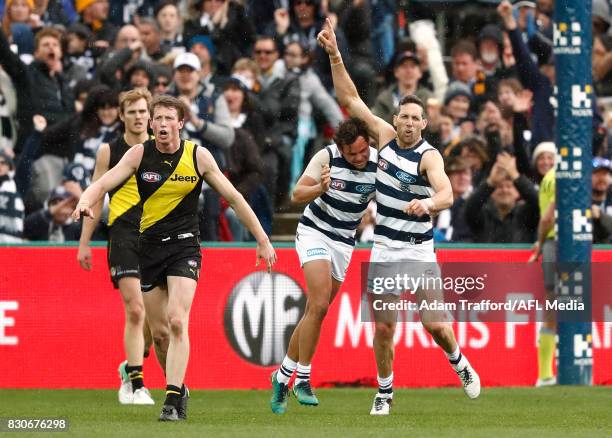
{"points": [[543, 115], [231, 42], [278, 103], [245, 167], [37, 91], [39, 226], [518, 226]]}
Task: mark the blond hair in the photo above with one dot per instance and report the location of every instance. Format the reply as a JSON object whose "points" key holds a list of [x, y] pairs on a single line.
{"points": [[129, 97]]}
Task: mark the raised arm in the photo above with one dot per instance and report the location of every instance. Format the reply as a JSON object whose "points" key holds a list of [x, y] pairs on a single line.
{"points": [[126, 167], [215, 178], [346, 91]]}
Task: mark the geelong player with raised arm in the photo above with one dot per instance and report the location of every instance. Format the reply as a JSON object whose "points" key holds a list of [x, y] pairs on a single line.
{"points": [[410, 186]]}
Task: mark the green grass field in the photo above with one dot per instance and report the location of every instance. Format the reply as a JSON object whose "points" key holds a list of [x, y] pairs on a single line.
{"points": [[499, 412]]}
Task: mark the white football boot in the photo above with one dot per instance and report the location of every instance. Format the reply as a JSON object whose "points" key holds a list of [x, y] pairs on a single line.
{"points": [[382, 404]]}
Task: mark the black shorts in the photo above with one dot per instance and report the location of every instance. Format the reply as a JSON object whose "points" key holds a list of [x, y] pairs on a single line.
{"points": [[177, 257], [123, 256]]}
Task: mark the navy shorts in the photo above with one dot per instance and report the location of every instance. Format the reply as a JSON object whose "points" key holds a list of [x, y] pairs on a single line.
{"points": [[176, 257]]}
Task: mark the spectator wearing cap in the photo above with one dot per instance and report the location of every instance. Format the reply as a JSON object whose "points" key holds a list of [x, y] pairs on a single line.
{"points": [[208, 123], [94, 15], [600, 17], [601, 200], [504, 207], [457, 101], [278, 101], [169, 20], [11, 207], [407, 73], [451, 224], [602, 48], [490, 49], [150, 36], [543, 158], [539, 81], [53, 222], [227, 24], [40, 86]]}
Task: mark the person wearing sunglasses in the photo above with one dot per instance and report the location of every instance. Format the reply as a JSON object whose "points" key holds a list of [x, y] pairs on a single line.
{"points": [[277, 100]]}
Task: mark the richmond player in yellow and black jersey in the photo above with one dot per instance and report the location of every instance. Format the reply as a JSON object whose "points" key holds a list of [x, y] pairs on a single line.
{"points": [[169, 173], [125, 211]]}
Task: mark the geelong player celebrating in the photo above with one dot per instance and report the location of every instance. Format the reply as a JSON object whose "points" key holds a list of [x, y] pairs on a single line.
{"points": [[169, 174], [410, 186], [124, 221], [338, 184]]}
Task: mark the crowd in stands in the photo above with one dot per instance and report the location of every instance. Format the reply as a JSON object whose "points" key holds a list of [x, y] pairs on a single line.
{"points": [[261, 99]]}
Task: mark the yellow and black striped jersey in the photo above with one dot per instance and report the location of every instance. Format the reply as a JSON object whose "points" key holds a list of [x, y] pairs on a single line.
{"points": [[169, 186]]}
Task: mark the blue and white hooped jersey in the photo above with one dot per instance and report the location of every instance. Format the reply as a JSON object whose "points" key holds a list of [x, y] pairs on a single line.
{"points": [[338, 212], [398, 182]]}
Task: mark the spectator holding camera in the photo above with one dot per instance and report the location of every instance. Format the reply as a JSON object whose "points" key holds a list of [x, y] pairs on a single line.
{"points": [[504, 207]]}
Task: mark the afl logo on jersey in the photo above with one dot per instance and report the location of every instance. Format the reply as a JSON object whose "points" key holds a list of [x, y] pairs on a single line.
{"points": [[151, 177], [405, 177], [382, 163], [338, 184]]}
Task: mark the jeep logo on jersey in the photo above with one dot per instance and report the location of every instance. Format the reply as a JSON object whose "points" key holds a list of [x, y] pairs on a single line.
{"points": [[261, 312], [405, 177], [151, 177], [181, 178], [382, 163], [365, 188], [338, 184]]}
